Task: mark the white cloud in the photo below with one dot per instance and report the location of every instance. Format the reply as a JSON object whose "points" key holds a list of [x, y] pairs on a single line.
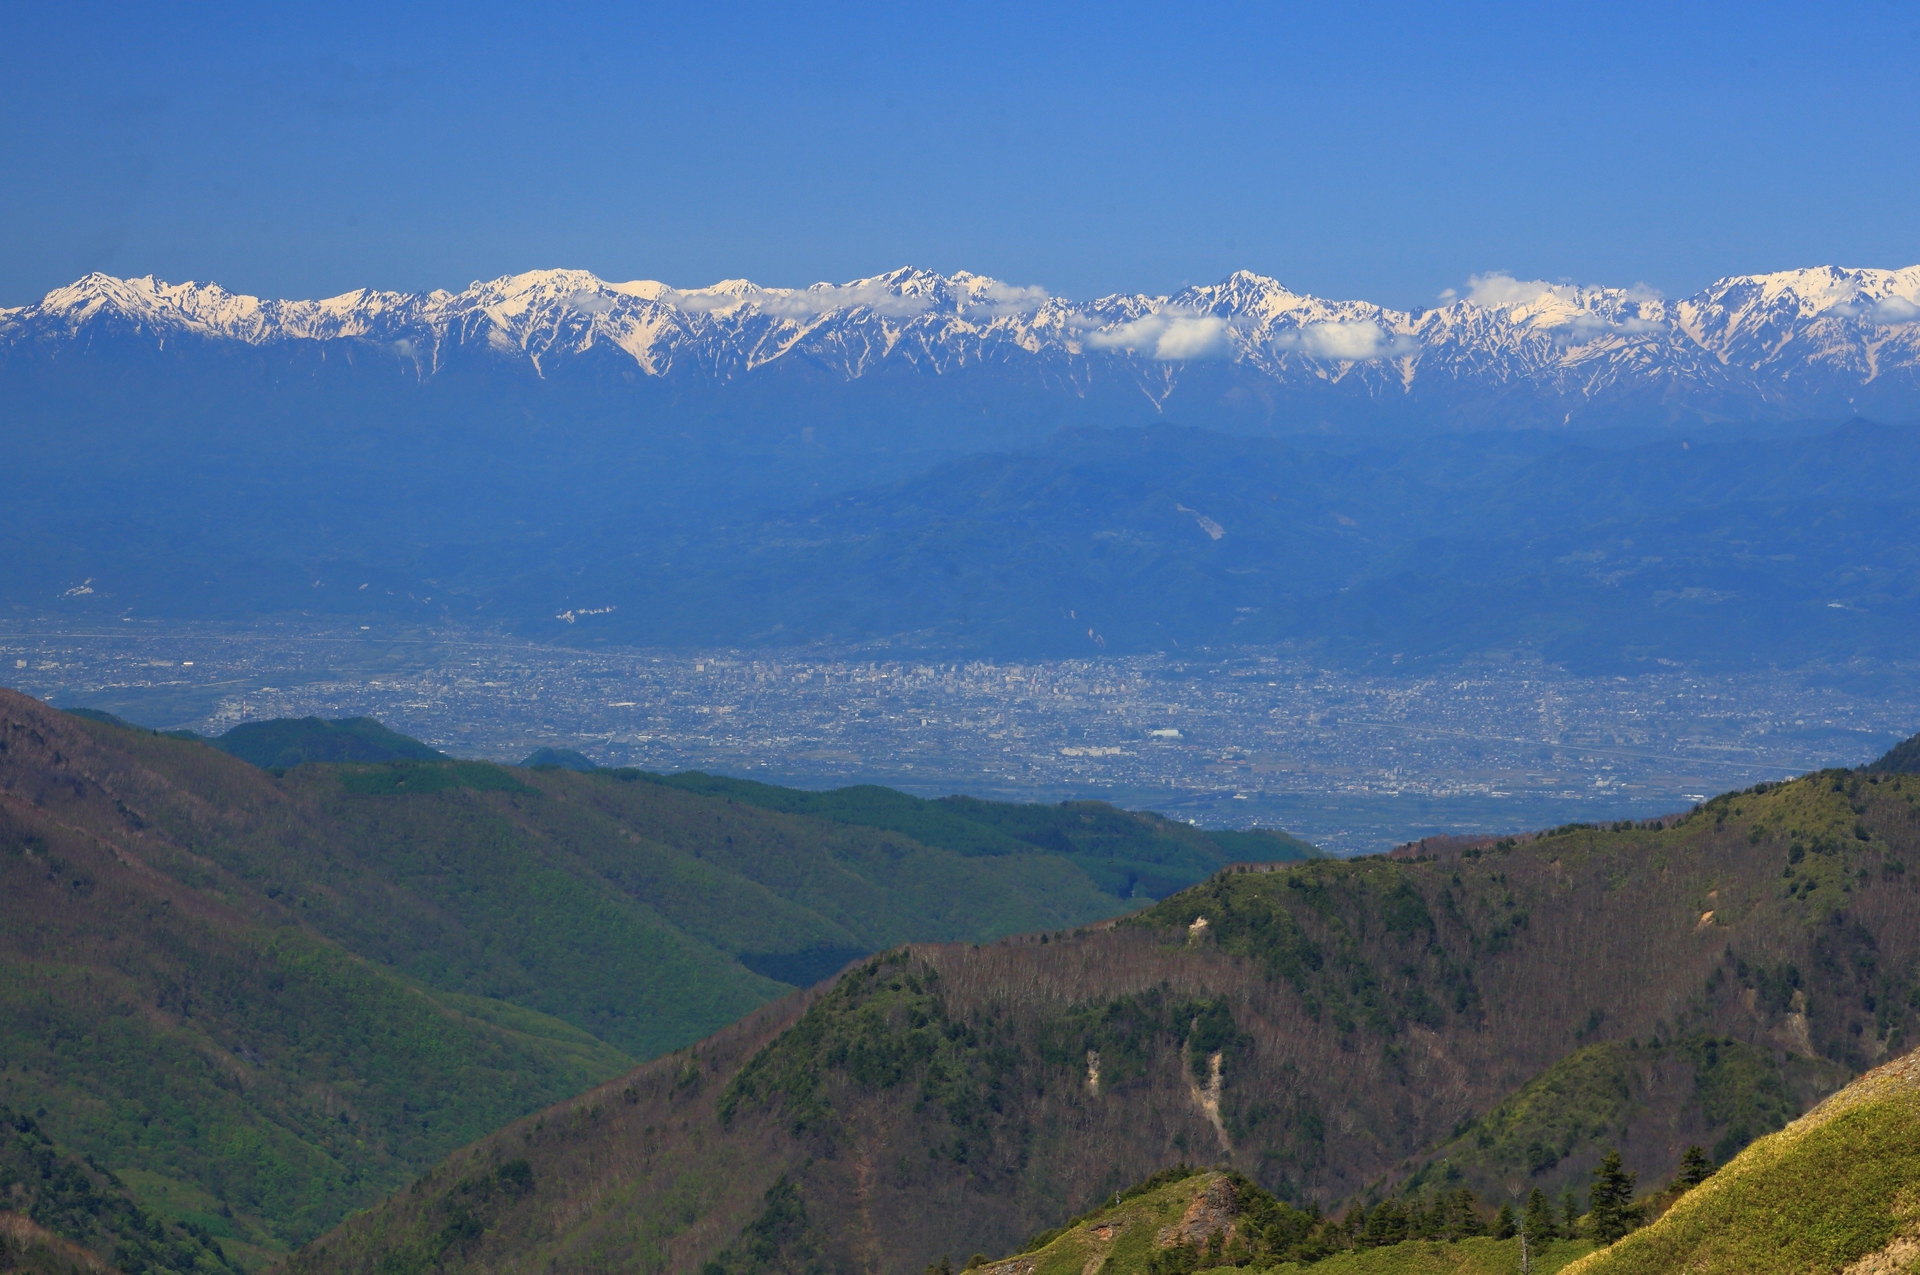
{"points": [[1009, 298], [1585, 327], [1894, 310], [702, 302], [1499, 289], [1168, 334], [805, 303], [877, 297], [1352, 342], [587, 302]]}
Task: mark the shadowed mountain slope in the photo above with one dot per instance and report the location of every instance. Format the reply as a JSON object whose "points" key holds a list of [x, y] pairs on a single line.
{"points": [[1164, 539], [564, 758], [1902, 759], [289, 742], [285, 742], [1327, 1028]]}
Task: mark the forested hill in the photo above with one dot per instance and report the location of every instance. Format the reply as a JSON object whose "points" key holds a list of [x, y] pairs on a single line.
{"points": [[1132, 854], [291, 741], [264, 996], [1334, 1030]]}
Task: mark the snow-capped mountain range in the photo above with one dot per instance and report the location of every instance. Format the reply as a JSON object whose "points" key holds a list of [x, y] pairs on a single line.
{"points": [[1812, 341]]}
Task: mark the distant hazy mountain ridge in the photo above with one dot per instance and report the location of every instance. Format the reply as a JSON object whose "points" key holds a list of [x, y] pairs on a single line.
{"points": [[964, 464], [1799, 341]]}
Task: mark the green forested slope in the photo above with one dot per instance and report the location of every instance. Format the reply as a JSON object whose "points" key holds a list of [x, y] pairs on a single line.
{"points": [[564, 758], [276, 995], [72, 1203], [1902, 759], [1642, 1097], [184, 1030], [292, 741], [1336, 1031]]}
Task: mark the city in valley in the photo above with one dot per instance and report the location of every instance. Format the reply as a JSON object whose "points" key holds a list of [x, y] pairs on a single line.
{"points": [[1356, 762]]}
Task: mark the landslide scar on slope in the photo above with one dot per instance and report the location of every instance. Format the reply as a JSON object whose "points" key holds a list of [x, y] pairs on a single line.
{"points": [[1208, 1100]]}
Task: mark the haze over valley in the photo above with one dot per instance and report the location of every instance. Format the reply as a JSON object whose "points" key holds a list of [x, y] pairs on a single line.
{"points": [[1355, 761]]}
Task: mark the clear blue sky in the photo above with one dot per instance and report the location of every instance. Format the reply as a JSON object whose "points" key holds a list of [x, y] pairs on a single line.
{"points": [[1372, 150]]}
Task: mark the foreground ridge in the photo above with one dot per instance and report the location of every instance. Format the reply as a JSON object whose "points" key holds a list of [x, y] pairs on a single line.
{"points": [[1834, 1190]]}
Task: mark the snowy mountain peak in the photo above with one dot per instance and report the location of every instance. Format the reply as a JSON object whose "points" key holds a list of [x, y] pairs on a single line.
{"points": [[1832, 289], [1816, 336]]}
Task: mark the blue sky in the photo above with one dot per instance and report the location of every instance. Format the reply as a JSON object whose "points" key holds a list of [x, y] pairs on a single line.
{"points": [[1372, 150]]}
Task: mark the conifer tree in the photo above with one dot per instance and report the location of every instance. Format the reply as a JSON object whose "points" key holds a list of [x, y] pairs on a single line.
{"points": [[1464, 1219], [1539, 1218], [1386, 1224], [1610, 1212], [1695, 1168], [1503, 1224], [1569, 1217], [1427, 1221]]}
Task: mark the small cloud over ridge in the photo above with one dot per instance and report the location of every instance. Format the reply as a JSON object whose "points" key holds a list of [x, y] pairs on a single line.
{"points": [[1353, 341], [1498, 289], [1586, 327], [589, 302], [1894, 310], [805, 303], [1009, 298], [1169, 334]]}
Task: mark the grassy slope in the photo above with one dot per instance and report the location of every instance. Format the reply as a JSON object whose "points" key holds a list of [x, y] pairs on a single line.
{"points": [[1837, 1185], [942, 1100], [1117, 1239], [1480, 1256], [1123, 1239]]}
